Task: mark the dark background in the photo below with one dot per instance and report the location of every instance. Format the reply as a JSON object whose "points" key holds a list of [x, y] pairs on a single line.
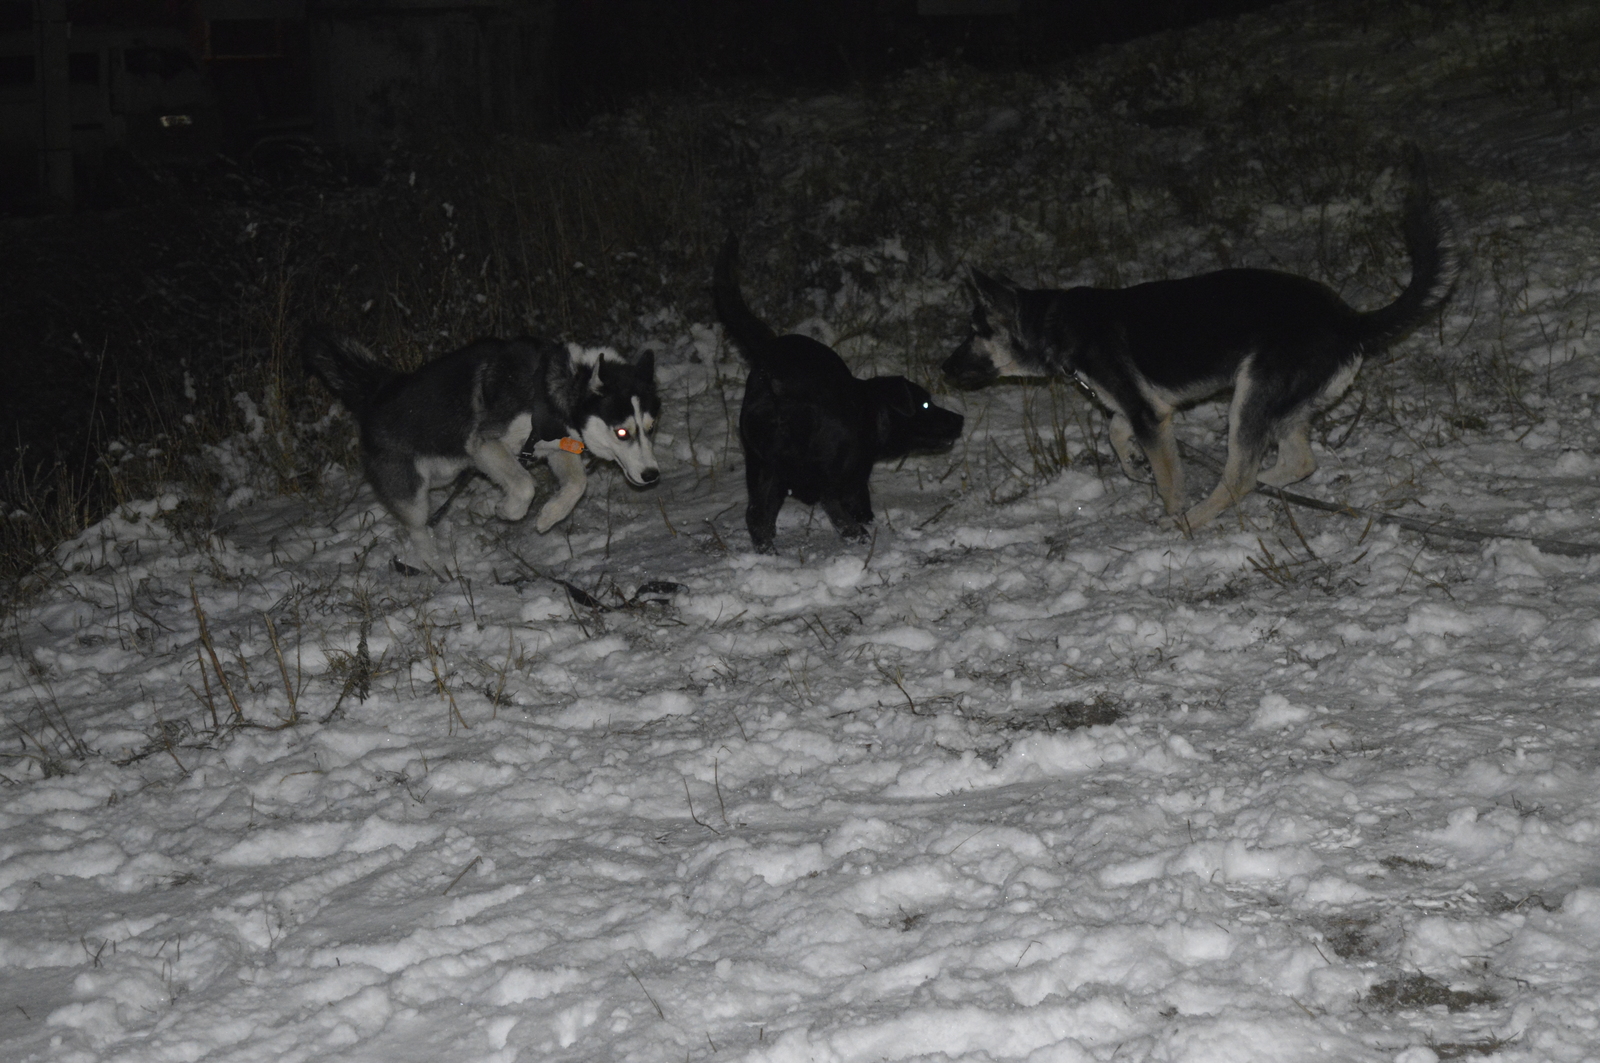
{"points": [[145, 285], [609, 50]]}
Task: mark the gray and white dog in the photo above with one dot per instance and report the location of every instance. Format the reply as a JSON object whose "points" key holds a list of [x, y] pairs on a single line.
{"points": [[1285, 344], [479, 408]]}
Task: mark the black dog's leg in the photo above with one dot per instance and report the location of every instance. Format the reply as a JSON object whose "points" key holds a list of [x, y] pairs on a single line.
{"points": [[767, 493], [850, 513], [859, 504]]}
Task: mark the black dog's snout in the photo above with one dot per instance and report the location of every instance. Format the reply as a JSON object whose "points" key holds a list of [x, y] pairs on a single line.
{"points": [[947, 427]]}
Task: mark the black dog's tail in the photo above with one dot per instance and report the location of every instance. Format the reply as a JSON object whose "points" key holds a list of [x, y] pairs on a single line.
{"points": [[351, 371], [1435, 266], [749, 333]]}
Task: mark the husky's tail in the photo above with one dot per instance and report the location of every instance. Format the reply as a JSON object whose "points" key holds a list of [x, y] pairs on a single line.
{"points": [[749, 333], [1435, 266], [351, 371]]}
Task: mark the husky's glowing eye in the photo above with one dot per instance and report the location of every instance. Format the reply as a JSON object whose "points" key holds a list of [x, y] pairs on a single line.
{"points": [[622, 433]]}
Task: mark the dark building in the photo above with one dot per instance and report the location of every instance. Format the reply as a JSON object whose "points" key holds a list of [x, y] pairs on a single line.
{"points": [[83, 78]]}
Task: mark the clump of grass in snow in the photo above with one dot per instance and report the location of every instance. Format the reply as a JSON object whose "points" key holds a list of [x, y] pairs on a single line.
{"points": [[1050, 433], [1420, 991], [44, 741], [1352, 936], [1097, 711]]}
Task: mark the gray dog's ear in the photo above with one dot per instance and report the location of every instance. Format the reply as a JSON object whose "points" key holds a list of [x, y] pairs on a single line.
{"points": [[992, 294]]}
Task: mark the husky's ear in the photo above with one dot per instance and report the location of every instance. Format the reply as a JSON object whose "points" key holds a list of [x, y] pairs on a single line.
{"points": [[640, 365], [584, 378]]}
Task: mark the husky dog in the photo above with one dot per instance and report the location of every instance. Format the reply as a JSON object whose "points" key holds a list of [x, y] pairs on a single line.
{"points": [[1286, 345], [810, 428], [478, 408]]}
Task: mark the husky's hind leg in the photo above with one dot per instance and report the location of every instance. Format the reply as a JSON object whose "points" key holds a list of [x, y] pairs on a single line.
{"points": [[403, 490]]}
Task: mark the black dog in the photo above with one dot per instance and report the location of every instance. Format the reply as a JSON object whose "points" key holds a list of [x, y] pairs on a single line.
{"points": [[811, 429], [1285, 344]]}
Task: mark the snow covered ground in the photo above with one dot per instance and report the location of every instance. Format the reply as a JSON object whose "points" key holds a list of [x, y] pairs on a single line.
{"points": [[1028, 778]]}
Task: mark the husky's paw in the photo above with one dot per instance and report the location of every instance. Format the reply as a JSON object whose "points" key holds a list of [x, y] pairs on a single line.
{"points": [[552, 513], [512, 508], [519, 496], [422, 557]]}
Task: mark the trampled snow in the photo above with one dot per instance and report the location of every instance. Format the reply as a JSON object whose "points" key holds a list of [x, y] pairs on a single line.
{"points": [[1029, 777]]}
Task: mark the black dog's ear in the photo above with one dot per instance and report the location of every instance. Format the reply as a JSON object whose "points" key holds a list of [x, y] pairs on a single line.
{"points": [[890, 399], [902, 396], [890, 419], [646, 364]]}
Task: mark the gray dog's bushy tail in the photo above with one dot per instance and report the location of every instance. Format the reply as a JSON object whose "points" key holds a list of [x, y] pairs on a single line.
{"points": [[749, 333], [1435, 266], [351, 371]]}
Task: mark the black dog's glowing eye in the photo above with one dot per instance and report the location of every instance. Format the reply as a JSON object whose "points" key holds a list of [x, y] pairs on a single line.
{"points": [[622, 433], [927, 405]]}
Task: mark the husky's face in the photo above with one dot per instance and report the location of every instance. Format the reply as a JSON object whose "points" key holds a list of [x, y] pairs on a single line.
{"points": [[993, 347], [619, 417]]}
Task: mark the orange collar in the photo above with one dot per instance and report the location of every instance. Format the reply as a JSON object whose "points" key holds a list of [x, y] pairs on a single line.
{"points": [[571, 446]]}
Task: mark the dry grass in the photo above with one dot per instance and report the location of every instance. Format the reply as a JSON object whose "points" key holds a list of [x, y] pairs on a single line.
{"points": [[1413, 991]]}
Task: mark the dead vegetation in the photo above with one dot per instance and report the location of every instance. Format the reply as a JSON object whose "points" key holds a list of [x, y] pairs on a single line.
{"points": [[1134, 163], [1098, 711]]}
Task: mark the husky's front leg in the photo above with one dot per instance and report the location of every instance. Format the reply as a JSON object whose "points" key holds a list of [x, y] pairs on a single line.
{"points": [[501, 466], [571, 481]]}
